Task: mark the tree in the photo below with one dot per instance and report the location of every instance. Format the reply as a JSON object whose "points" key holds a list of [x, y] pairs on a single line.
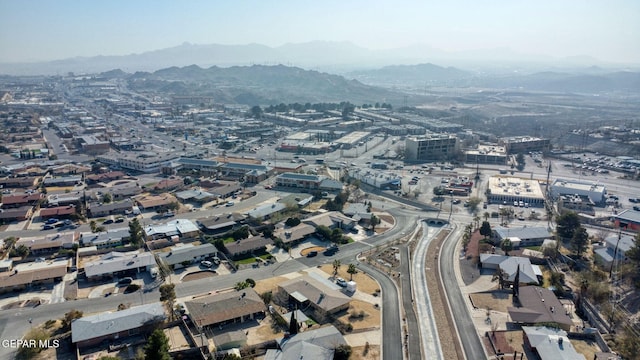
{"points": [[342, 352], [520, 161], [106, 198], [506, 246], [473, 203], [485, 229], [579, 241], [29, 352], [476, 221], [633, 254], [256, 112], [136, 234], [486, 215], [93, 225], [251, 282], [336, 267], [374, 222], [168, 297], [69, 317], [291, 222], [567, 224], [21, 251], [157, 347], [352, 270], [439, 191]]}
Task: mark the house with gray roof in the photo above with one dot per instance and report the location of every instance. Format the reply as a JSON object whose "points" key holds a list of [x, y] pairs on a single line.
{"points": [[539, 305], [550, 344], [266, 211], [195, 195], [528, 235], [605, 255], [107, 239], [316, 294], [187, 253], [119, 264], [510, 265], [317, 344], [118, 325], [100, 209], [221, 223], [182, 228], [332, 220], [628, 219], [237, 171], [243, 247]]}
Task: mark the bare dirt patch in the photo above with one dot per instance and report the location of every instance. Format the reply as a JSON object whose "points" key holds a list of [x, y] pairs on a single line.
{"points": [[264, 332], [306, 251], [496, 300], [588, 348], [364, 282], [270, 284], [198, 275], [362, 353], [361, 315]]}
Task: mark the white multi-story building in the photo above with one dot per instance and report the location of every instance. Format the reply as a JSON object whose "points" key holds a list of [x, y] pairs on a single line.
{"points": [[431, 147]]}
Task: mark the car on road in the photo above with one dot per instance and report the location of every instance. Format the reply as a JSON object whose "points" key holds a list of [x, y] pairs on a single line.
{"points": [[119, 219], [456, 201], [341, 282], [230, 203], [48, 227]]}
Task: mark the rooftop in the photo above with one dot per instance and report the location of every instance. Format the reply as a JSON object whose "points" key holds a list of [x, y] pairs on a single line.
{"points": [[515, 186], [217, 308]]}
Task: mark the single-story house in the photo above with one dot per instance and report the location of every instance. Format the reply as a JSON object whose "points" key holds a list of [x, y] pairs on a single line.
{"points": [[332, 220], [197, 196], [266, 211], [117, 325], [58, 211], [605, 255], [33, 274], [247, 246], [294, 234], [16, 201], [549, 343], [101, 209], [118, 264], [539, 305], [529, 273], [183, 228], [221, 223], [107, 239], [50, 243], [187, 253], [316, 293], [225, 308], [528, 235], [154, 202], [16, 214], [317, 344], [628, 219]]}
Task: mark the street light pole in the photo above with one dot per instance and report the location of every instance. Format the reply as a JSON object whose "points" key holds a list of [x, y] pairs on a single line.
{"points": [[451, 211]]}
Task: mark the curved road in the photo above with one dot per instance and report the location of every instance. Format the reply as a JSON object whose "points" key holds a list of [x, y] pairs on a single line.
{"points": [[473, 348]]}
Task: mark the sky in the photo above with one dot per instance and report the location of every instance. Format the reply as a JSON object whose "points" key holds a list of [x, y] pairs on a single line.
{"points": [[39, 30]]}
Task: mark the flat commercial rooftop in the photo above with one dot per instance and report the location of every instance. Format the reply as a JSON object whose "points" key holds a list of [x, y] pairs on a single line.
{"points": [[515, 186]]}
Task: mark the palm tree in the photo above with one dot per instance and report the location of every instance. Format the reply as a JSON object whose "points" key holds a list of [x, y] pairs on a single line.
{"points": [[352, 270], [93, 225], [486, 215], [476, 221], [336, 267]]}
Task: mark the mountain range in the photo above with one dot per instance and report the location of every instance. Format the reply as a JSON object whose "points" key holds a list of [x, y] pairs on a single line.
{"points": [[336, 57]]}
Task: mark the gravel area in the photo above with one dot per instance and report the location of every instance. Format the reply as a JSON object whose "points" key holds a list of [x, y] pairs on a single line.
{"points": [[448, 338]]}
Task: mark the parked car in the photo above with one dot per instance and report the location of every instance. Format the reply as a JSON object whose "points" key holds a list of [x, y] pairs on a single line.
{"points": [[125, 281], [341, 282], [312, 254], [52, 221], [206, 263], [230, 203]]}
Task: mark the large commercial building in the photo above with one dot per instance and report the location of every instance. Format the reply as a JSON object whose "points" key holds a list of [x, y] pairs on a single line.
{"points": [[430, 147], [594, 191], [144, 162], [526, 144], [487, 154], [507, 190]]}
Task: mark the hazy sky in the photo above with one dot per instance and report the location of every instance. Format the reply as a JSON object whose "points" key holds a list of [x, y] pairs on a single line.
{"points": [[47, 29]]}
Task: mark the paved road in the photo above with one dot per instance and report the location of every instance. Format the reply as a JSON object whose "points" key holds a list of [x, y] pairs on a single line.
{"points": [[413, 330], [471, 344], [391, 325]]}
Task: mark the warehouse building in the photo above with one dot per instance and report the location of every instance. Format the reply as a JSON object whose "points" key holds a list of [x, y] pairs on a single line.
{"points": [[594, 191]]}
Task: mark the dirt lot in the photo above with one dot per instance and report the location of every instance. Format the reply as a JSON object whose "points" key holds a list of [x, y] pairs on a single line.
{"points": [[198, 275], [371, 318], [269, 284], [305, 251], [365, 283], [361, 353], [496, 300], [586, 347], [264, 332]]}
